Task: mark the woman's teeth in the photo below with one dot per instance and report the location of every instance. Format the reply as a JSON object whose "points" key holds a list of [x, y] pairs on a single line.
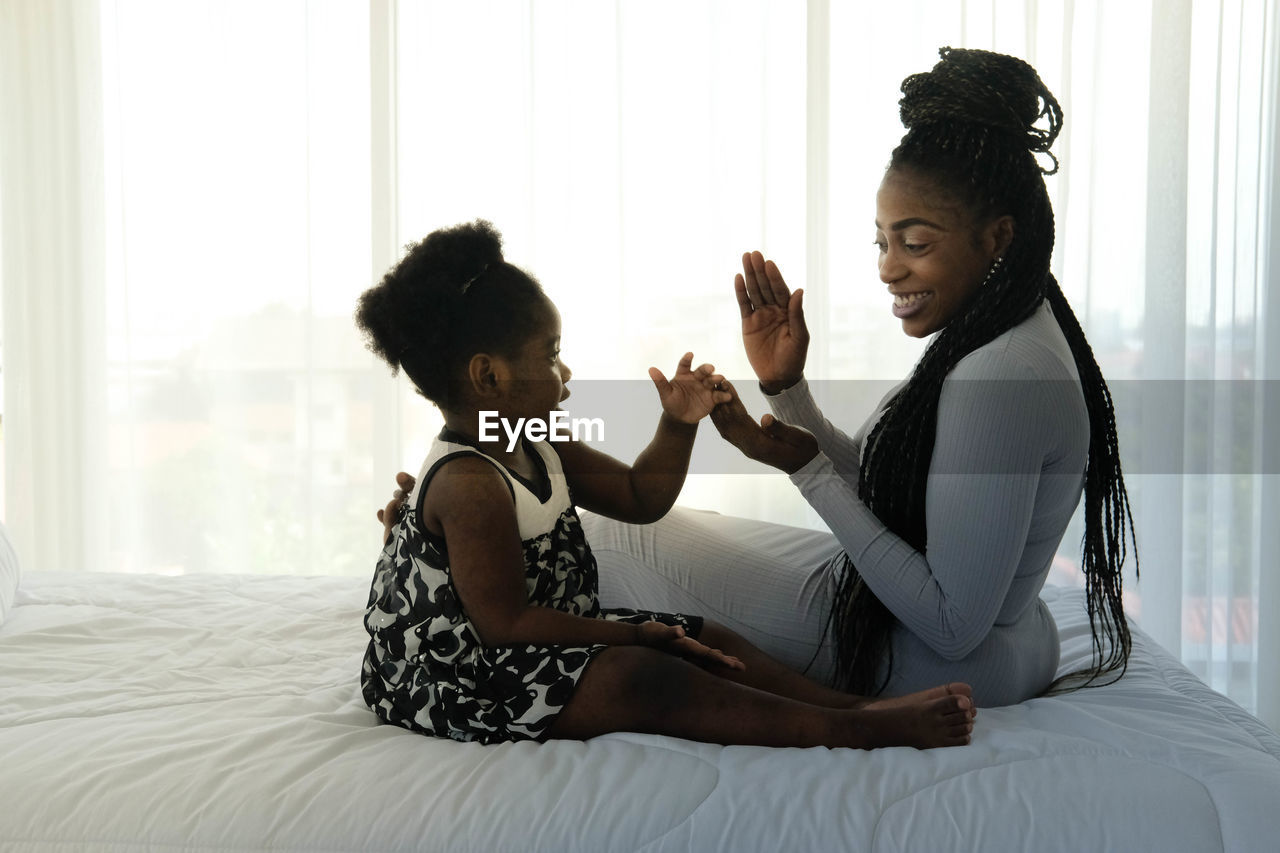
{"points": [[902, 300]]}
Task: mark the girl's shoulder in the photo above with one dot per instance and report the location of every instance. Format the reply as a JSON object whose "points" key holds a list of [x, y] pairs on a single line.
{"points": [[460, 473], [461, 458]]}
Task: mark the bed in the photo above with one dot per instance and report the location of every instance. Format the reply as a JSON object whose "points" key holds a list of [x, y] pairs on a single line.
{"points": [[221, 712]]}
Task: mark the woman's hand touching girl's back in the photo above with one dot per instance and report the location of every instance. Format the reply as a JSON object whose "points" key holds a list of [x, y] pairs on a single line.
{"points": [[390, 514]]}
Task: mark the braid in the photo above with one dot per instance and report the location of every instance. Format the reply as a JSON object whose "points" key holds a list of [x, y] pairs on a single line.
{"points": [[970, 128], [1107, 513]]}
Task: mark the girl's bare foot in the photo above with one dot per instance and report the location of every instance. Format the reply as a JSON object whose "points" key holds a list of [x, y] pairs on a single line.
{"points": [[945, 720]]}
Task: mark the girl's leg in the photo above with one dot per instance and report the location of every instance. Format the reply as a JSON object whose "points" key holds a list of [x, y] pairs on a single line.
{"points": [[633, 688]]}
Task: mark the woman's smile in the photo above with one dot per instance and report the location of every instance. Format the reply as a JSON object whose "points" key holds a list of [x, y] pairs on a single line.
{"points": [[909, 304]]}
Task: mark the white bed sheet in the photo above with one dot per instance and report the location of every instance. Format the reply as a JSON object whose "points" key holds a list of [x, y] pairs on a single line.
{"points": [[222, 713]]}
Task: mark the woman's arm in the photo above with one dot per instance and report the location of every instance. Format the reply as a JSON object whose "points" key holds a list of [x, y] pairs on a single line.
{"points": [[795, 405], [992, 440], [470, 502]]}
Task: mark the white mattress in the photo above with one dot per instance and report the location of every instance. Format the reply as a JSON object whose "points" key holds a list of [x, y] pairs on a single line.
{"points": [[222, 713]]}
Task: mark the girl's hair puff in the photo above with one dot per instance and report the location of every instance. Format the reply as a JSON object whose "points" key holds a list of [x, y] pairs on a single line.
{"points": [[450, 297]]}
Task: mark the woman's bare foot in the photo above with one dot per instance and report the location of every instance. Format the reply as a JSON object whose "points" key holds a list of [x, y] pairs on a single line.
{"points": [[945, 720], [954, 688]]}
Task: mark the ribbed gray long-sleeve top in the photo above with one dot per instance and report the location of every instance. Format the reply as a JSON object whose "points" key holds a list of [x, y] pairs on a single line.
{"points": [[1006, 475]]}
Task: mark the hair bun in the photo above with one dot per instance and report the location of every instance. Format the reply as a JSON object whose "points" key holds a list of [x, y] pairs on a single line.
{"points": [[983, 88], [461, 253]]}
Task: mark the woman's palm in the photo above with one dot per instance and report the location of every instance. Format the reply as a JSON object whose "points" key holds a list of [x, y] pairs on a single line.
{"points": [[775, 353], [773, 328]]}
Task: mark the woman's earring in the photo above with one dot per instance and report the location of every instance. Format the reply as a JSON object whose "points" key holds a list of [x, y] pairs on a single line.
{"points": [[995, 268]]}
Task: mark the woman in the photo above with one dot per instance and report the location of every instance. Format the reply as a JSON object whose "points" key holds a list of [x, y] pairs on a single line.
{"points": [[951, 500], [949, 503]]}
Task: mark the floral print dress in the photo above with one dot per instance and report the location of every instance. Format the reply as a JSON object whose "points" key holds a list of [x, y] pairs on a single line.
{"points": [[425, 667]]}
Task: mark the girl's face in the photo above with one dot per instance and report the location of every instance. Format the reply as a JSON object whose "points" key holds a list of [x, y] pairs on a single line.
{"points": [[933, 256], [538, 376]]}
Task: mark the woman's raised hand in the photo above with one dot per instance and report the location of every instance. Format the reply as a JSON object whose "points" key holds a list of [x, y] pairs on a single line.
{"points": [[691, 394], [773, 330]]}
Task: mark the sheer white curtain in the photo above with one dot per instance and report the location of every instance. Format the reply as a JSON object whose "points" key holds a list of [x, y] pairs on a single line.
{"points": [[195, 194], [52, 249]]}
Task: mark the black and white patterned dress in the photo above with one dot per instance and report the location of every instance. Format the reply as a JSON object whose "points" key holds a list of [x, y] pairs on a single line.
{"points": [[425, 667]]}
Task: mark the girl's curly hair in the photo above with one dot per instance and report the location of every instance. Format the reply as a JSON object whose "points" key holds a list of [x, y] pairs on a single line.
{"points": [[451, 296]]}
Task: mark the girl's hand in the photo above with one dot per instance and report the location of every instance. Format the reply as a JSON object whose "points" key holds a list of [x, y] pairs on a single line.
{"points": [[691, 394], [673, 640], [773, 330], [391, 513], [772, 442]]}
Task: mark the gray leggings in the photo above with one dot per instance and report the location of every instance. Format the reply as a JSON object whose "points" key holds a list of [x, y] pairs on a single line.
{"points": [[773, 584], [769, 582]]}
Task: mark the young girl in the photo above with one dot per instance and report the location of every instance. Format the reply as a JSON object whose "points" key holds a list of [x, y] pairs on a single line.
{"points": [[483, 612]]}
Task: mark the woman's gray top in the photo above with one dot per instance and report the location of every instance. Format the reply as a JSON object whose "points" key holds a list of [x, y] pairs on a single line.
{"points": [[1006, 475]]}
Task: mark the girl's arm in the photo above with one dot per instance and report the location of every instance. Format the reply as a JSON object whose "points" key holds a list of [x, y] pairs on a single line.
{"points": [[469, 503], [639, 493], [644, 491]]}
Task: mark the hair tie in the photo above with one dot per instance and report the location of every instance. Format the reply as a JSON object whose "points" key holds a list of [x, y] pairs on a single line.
{"points": [[467, 284]]}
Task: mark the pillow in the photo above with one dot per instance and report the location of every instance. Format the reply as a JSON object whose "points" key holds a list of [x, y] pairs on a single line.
{"points": [[9, 573]]}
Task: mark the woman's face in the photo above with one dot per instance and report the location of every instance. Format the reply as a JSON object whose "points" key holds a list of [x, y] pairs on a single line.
{"points": [[933, 256]]}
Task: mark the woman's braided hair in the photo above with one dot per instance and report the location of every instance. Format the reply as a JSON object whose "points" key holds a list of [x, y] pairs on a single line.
{"points": [[451, 296], [971, 133]]}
